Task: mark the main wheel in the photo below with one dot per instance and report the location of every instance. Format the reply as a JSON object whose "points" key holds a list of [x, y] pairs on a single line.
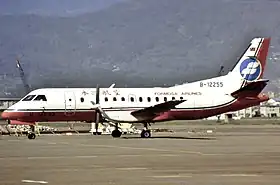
{"points": [[146, 133], [31, 135], [116, 133]]}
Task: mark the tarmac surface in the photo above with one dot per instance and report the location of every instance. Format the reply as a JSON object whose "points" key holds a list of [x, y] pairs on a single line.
{"points": [[204, 155]]}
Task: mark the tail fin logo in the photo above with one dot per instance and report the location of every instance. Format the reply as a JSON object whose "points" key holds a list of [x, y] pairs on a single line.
{"points": [[250, 69]]}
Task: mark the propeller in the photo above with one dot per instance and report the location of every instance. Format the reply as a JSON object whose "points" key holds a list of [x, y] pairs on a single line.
{"points": [[97, 113], [97, 94]]}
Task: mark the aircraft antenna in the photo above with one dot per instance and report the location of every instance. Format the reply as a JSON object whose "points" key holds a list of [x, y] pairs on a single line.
{"points": [[221, 71]]}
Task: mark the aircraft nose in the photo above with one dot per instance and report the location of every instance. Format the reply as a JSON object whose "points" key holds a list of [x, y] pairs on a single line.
{"points": [[6, 115]]}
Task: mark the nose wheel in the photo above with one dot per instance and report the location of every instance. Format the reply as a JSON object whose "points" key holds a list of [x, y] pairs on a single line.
{"points": [[31, 135]]}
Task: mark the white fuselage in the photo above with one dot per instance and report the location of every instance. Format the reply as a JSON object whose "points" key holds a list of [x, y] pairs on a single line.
{"points": [[203, 99]]}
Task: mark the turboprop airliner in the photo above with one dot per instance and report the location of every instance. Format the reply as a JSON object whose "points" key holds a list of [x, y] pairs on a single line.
{"points": [[239, 89]]}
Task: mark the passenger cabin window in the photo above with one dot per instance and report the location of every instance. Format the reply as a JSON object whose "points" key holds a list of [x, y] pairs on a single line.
{"points": [[106, 99], [149, 99], [140, 99], [114, 99], [82, 99], [181, 97], [173, 98], [157, 99], [29, 98], [131, 99], [40, 98], [123, 99], [165, 99]]}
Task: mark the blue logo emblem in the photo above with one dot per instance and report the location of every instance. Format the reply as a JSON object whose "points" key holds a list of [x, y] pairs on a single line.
{"points": [[250, 69]]}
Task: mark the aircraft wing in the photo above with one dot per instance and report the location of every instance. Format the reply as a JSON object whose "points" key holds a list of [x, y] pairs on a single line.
{"points": [[153, 111], [143, 114]]}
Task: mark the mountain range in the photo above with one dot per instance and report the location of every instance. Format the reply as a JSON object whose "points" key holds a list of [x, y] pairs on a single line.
{"points": [[133, 43]]}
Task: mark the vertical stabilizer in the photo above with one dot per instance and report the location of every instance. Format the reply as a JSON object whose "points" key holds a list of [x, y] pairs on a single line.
{"points": [[251, 65]]}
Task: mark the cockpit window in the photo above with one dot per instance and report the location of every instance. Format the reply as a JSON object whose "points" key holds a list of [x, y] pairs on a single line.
{"points": [[40, 98], [28, 98]]}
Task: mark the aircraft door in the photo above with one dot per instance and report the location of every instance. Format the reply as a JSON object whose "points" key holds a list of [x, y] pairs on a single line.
{"points": [[70, 103]]}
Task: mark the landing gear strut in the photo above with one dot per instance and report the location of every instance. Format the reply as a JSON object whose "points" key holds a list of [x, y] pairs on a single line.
{"points": [[116, 132], [146, 133]]}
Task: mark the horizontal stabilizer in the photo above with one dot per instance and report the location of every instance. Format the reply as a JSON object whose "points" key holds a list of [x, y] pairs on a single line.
{"points": [[151, 112], [252, 89]]}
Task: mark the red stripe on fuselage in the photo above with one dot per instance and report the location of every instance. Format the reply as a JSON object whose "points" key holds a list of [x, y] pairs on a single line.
{"points": [[50, 116]]}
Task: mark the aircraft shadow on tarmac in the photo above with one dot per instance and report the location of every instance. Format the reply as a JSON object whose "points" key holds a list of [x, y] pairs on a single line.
{"points": [[171, 137]]}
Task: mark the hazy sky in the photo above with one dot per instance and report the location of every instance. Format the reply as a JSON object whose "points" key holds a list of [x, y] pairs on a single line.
{"points": [[54, 7]]}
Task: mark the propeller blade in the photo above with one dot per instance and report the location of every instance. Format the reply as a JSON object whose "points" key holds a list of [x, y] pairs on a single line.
{"points": [[97, 118], [97, 94], [97, 112]]}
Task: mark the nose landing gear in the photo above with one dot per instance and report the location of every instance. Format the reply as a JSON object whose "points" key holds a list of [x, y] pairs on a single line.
{"points": [[31, 135]]}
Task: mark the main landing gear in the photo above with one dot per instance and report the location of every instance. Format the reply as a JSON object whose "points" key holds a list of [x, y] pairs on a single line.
{"points": [[146, 133], [116, 132]]}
